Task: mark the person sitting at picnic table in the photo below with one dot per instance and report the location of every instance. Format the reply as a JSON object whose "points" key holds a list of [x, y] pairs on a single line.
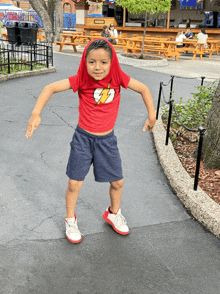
{"points": [[202, 38], [105, 33], [113, 33], [179, 38], [189, 34]]}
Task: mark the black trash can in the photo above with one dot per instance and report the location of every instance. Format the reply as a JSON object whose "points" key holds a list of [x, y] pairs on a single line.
{"points": [[28, 31], [13, 31]]}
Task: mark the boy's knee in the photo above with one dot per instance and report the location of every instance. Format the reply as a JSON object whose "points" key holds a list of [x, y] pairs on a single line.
{"points": [[117, 184], [74, 186]]}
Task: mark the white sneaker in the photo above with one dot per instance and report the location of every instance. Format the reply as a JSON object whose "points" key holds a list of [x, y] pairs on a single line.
{"points": [[72, 232], [117, 221]]}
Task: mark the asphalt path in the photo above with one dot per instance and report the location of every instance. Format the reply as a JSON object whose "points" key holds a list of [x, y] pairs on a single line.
{"points": [[166, 251]]}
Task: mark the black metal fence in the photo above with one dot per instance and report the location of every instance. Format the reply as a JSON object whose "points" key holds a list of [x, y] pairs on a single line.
{"points": [[200, 129], [26, 56]]}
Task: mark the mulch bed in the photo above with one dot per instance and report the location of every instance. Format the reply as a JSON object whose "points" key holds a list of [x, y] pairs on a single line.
{"points": [[185, 146]]}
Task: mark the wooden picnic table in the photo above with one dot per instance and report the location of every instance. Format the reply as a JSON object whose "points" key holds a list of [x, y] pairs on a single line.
{"points": [[73, 40], [81, 40], [170, 49], [213, 46], [199, 48], [39, 36], [5, 35], [151, 44]]}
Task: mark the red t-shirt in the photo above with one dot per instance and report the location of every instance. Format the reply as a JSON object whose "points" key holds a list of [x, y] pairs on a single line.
{"points": [[99, 101]]}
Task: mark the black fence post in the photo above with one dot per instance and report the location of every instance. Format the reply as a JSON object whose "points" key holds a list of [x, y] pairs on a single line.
{"points": [[170, 111], [47, 58], [8, 62], [51, 52], [158, 101], [202, 80], [201, 133], [31, 58]]}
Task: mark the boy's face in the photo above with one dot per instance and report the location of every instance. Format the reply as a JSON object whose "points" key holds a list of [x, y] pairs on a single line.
{"points": [[98, 64]]}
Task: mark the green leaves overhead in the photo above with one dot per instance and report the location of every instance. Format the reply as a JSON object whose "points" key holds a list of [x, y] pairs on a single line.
{"points": [[149, 6]]}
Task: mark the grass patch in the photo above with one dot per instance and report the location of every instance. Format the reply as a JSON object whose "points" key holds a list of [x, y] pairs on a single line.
{"points": [[18, 65]]}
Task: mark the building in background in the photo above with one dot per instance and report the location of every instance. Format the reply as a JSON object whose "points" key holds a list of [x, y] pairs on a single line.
{"points": [[180, 11]]}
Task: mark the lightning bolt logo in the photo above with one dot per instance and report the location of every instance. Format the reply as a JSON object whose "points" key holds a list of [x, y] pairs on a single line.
{"points": [[104, 95]]}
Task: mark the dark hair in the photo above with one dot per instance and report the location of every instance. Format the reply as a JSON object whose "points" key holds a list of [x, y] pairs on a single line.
{"points": [[203, 31], [99, 44], [104, 27]]}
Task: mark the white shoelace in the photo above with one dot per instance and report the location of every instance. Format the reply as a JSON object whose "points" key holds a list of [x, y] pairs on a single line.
{"points": [[120, 220], [72, 228]]}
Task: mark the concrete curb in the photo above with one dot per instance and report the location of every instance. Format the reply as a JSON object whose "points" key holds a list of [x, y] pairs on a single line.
{"points": [[27, 73], [198, 203], [141, 62]]}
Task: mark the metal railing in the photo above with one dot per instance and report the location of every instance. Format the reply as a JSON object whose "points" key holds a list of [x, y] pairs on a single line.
{"points": [[25, 56], [200, 129]]}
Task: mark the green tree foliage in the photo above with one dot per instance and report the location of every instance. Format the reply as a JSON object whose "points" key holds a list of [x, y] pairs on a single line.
{"points": [[141, 6], [145, 6]]}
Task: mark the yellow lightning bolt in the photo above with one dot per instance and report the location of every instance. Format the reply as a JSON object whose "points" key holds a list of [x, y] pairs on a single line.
{"points": [[104, 95]]}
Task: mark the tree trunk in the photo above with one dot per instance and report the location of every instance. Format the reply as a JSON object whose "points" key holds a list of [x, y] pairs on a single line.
{"points": [[58, 20], [50, 10], [211, 156], [142, 47], [40, 7]]}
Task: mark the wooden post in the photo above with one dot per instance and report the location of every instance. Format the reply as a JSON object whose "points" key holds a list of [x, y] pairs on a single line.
{"points": [[168, 19], [124, 17]]}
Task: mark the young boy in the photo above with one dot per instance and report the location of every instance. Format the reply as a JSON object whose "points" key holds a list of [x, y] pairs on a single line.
{"points": [[98, 82]]}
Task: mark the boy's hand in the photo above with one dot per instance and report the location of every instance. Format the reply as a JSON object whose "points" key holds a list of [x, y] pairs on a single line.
{"points": [[149, 124], [32, 125]]}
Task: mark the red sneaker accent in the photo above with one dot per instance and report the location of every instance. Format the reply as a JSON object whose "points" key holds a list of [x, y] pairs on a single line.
{"points": [[105, 217], [75, 242], [73, 234]]}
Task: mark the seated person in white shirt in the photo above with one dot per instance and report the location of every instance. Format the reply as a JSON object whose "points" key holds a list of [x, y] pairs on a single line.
{"points": [[113, 33], [179, 38], [202, 38]]}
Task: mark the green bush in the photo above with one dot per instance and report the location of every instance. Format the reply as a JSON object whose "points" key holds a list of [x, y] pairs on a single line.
{"points": [[194, 112]]}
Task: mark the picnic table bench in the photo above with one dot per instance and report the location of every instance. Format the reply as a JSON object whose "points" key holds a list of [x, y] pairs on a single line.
{"points": [[81, 40], [39, 36], [199, 48], [73, 40], [152, 45], [169, 48]]}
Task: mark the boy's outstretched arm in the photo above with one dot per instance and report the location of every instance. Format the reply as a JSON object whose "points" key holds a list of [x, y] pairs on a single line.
{"points": [[45, 95], [146, 95]]}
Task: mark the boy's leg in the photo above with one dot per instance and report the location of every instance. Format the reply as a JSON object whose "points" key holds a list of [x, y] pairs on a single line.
{"points": [[114, 217], [72, 232], [72, 193], [115, 195]]}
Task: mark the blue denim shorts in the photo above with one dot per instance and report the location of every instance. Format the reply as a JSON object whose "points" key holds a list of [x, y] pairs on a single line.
{"points": [[101, 151]]}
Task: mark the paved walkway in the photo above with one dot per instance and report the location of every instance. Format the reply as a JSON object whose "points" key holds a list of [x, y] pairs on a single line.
{"points": [[166, 251]]}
